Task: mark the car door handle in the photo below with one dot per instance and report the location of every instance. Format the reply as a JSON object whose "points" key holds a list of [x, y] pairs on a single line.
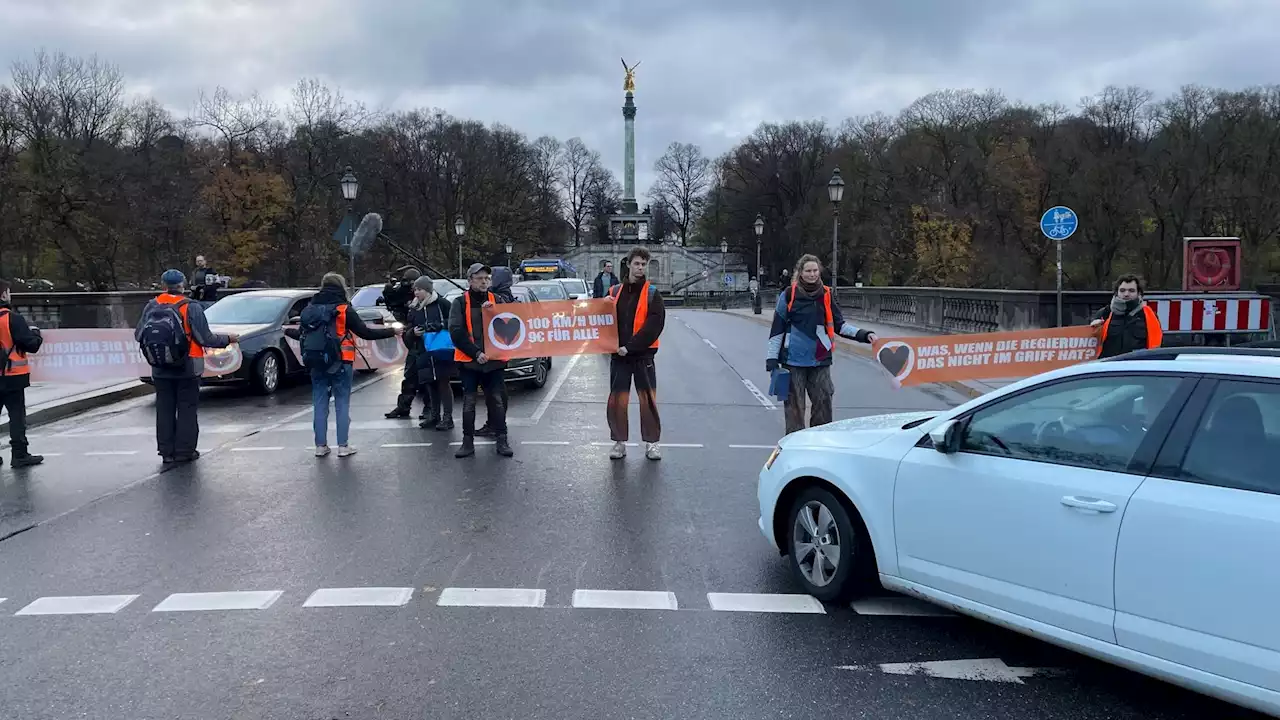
{"points": [[1093, 504]]}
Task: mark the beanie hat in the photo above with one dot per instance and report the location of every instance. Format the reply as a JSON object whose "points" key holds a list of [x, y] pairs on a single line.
{"points": [[424, 283], [173, 278]]}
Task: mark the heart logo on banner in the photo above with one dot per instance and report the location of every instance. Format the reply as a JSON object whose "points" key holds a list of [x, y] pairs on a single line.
{"points": [[896, 358], [507, 332]]}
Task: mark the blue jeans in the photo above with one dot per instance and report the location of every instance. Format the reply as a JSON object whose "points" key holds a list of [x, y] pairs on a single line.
{"points": [[323, 386]]}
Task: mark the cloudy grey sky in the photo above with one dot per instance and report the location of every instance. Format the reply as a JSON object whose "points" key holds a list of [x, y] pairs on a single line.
{"points": [[712, 69]]}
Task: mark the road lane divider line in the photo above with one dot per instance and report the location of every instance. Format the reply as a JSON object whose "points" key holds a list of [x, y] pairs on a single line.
{"points": [[255, 448], [544, 442], [752, 447], [477, 443], [713, 345], [545, 403], [625, 599], [195, 602], [359, 597], [406, 445], [78, 605], [492, 597], [97, 453], [765, 603]]}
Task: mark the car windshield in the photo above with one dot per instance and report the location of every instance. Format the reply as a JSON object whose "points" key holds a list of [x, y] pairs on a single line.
{"points": [[549, 291], [574, 285], [247, 309], [366, 297]]}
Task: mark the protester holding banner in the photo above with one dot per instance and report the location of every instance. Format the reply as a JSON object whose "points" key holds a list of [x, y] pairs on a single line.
{"points": [[1128, 323], [501, 289], [332, 378], [429, 318], [478, 370], [17, 340], [806, 322], [173, 318], [641, 317]]}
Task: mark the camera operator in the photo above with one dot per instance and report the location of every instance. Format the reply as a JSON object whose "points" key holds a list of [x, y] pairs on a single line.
{"points": [[398, 292]]}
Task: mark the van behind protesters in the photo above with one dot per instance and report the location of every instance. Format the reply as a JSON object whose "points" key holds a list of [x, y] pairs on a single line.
{"points": [[173, 334], [17, 341], [326, 336], [802, 340]]}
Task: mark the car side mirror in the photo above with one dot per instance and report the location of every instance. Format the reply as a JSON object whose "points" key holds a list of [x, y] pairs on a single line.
{"points": [[946, 437]]}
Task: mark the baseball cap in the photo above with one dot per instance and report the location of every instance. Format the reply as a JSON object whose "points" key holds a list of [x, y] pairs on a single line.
{"points": [[173, 278], [478, 267]]}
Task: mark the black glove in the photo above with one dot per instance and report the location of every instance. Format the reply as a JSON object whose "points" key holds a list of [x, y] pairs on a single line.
{"points": [[770, 365]]}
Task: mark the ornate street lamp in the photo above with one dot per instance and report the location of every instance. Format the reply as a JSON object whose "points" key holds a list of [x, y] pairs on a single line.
{"points": [[460, 229], [835, 193], [350, 190]]}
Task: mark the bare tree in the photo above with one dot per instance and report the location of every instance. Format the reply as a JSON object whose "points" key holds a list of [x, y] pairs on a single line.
{"points": [[684, 175]]}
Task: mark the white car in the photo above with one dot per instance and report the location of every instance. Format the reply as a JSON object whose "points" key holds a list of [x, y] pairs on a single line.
{"points": [[576, 287], [1127, 509]]}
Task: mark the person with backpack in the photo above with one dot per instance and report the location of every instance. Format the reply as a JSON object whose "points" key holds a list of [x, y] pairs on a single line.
{"points": [[326, 335], [172, 335], [429, 318], [478, 370], [806, 322], [17, 341]]}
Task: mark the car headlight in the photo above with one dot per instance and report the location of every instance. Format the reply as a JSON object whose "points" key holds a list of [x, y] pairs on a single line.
{"points": [[768, 464]]}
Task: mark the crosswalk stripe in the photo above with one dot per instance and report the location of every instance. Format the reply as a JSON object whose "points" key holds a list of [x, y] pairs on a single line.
{"points": [[360, 597], [625, 599], [406, 445], [492, 597], [273, 448], [765, 603], [111, 452], [246, 600], [77, 605]]}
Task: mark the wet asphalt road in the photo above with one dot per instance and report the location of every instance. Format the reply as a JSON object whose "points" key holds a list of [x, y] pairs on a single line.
{"points": [[259, 514]]}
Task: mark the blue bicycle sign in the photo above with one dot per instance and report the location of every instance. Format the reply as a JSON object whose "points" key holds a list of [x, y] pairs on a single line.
{"points": [[1059, 223]]}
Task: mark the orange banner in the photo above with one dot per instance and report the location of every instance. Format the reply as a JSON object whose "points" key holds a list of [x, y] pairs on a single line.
{"points": [[550, 329], [86, 355], [952, 358]]}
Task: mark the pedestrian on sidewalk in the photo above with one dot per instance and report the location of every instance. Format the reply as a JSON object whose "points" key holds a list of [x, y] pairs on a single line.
{"points": [[1128, 323], [326, 335], [641, 316], [17, 340], [173, 335], [806, 322], [502, 293], [478, 370], [429, 318]]}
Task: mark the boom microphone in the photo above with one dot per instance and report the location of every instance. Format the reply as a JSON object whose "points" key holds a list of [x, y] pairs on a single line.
{"points": [[368, 230]]}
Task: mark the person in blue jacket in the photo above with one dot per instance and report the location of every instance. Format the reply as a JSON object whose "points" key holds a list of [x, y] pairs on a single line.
{"points": [[805, 323]]}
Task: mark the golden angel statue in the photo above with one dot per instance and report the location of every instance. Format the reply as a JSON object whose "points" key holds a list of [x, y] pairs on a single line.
{"points": [[629, 84]]}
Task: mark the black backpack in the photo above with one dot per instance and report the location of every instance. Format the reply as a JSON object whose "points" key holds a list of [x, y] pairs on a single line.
{"points": [[163, 337], [318, 340]]}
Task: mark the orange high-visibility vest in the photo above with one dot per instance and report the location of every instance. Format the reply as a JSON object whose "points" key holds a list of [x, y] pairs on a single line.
{"points": [[642, 309], [1155, 333], [15, 361], [193, 348], [458, 355], [348, 340]]}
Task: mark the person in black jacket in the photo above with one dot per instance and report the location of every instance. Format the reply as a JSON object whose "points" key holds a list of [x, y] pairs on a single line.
{"points": [[466, 327], [204, 282], [429, 314], [1128, 323], [641, 318], [337, 384], [604, 281], [17, 340], [501, 289]]}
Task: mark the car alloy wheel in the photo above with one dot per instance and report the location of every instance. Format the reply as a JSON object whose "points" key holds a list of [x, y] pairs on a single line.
{"points": [[540, 370], [269, 373], [816, 543]]}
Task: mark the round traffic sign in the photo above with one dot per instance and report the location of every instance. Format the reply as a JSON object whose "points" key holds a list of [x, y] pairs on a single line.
{"points": [[1059, 222]]}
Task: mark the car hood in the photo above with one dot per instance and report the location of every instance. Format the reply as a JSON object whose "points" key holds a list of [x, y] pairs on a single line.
{"points": [[244, 331], [854, 433]]}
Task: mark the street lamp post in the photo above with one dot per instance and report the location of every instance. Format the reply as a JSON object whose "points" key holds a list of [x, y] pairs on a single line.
{"points": [[460, 229], [508, 248], [756, 307], [835, 193], [724, 294], [350, 190]]}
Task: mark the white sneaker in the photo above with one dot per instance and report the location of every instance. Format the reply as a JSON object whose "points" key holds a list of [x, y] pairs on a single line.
{"points": [[653, 452], [346, 451], [322, 450], [618, 452]]}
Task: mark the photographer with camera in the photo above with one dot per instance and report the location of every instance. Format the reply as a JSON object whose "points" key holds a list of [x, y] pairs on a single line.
{"points": [[398, 292], [396, 296]]}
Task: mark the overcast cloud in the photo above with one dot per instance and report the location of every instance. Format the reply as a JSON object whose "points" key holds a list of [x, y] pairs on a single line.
{"points": [[711, 70]]}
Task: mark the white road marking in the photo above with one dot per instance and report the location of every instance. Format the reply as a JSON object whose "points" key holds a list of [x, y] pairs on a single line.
{"points": [[609, 444], [713, 345], [406, 445], [765, 603], [764, 399], [360, 597], [625, 599], [269, 448], [458, 443], [903, 606], [78, 605], [111, 452], [544, 442], [680, 445], [190, 602], [752, 447], [984, 669], [555, 388], [492, 597]]}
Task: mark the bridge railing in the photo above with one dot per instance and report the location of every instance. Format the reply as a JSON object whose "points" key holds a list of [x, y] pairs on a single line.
{"points": [[964, 310]]}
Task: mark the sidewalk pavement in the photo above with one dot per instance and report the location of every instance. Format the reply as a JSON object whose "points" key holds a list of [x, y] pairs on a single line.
{"points": [[967, 388], [50, 402]]}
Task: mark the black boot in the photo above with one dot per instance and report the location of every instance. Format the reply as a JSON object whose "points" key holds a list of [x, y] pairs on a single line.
{"points": [[504, 446], [485, 430], [468, 447], [397, 414], [445, 424], [26, 460]]}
